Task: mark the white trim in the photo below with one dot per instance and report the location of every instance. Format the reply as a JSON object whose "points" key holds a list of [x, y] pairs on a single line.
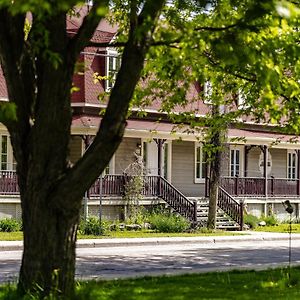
{"points": [[169, 170], [110, 54], [241, 159], [147, 134], [290, 151], [196, 179], [85, 104]]}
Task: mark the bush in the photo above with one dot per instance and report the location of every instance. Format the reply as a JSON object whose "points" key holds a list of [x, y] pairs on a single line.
{"points": [[10, 225], [168, 223], [92, 226], [270, 220], [251, 220]]}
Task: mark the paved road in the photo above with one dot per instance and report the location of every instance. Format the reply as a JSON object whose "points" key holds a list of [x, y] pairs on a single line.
{"points": [[140, 260]]}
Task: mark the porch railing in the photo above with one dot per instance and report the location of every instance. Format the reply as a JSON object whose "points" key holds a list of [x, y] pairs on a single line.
{"points": [[153, 185], [259, 186], [9, 183], [231, 207]]}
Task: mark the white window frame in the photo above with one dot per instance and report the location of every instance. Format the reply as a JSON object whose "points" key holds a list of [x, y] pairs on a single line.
{"points": [[288, 166], [207, 92], [110, 167], [200, 162], [114, 56], [10, 164], [241, 160]]}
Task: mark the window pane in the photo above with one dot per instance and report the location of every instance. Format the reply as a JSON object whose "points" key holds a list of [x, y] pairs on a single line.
{"points": [[198, 171], [294, 160]]}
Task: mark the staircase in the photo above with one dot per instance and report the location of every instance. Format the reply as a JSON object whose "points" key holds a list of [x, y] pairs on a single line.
{"points": [[229, 213], [223, 221]]}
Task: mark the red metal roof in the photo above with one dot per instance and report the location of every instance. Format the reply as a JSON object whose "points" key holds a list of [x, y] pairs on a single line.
{"points": [[151, 126]]}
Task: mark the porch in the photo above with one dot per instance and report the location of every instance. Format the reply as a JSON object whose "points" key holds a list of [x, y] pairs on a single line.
{"points": [[155, 187]]}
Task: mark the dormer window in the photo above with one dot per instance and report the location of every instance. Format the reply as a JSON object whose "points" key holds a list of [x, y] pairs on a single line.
{"points": [[113, 63]]}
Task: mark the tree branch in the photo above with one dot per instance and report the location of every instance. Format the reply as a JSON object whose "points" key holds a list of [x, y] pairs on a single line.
{"points": [[11, 57], [113, 124], [87, 29]]}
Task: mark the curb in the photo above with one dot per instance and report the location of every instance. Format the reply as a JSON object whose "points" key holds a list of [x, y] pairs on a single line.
{"points": [[127, 242]]}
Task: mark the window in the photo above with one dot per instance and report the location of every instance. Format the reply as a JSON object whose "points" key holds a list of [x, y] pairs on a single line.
{"points": [[4, 152], [207, 92], [110, 168], [113, 63], [200, 164], [235, 162], [292, 165], [242, 100]]}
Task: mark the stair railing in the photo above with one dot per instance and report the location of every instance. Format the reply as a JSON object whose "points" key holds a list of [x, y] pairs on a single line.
{"points": [[177, 200], [231, 207], [153, 186]]}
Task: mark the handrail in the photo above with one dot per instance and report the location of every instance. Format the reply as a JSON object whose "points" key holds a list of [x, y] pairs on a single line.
{"points": [[154, 185], [177, 200], [231, 207]]}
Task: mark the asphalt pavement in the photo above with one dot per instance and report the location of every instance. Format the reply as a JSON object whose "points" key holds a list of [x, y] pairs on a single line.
{"points": [[134, 257]]}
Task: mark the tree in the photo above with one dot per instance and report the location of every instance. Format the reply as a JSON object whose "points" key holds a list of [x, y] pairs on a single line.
{"points": [[38, 69], [197, 38], [248, 51]]}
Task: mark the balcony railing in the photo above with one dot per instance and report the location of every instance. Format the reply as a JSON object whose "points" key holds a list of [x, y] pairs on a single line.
{"points": [[9, 183], [235, 186], [259, 186]]}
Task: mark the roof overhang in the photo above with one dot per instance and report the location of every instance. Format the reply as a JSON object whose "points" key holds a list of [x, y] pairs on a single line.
{"points": [[88, 125]]}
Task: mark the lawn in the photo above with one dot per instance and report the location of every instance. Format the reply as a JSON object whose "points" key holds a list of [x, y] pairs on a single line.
{"points": [[17, 236], [270, 284], [279, 228]]}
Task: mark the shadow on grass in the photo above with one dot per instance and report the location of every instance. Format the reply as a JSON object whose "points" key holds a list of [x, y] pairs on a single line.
{"points": [[272, 284]]}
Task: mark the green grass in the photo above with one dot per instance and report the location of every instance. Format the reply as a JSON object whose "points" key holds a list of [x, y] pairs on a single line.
{"points": [[271, 284], [279, 228], [11, 236], [18, 236]]}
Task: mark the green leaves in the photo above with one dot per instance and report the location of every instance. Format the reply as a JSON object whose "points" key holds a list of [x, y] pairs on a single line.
{"points": [[8, 112]]}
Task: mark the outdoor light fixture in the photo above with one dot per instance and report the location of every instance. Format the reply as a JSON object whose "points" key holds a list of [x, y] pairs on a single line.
{"points": [[288, 207]]}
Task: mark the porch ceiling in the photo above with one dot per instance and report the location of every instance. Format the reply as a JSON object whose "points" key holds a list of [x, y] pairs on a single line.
{"points": [[149, 129]]}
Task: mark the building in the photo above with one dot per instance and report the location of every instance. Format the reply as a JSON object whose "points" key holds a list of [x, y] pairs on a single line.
{"points": [[262, 169]]}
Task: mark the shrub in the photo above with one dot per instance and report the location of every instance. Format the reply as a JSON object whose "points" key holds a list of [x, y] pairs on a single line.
{"points": [[251, 220], [10, 225], [168, 223], [270, 220], [92, 226]]}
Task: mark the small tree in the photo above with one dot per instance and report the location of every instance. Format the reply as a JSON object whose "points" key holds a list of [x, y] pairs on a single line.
{"points": [[134, 188]]}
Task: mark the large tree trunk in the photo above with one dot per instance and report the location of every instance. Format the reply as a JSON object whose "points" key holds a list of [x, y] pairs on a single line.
{"points": [[49, 248], [39, 84], [217, 134], [215, 171]]}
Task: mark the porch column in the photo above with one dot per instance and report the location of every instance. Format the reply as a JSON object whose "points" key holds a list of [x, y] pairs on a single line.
{"points": [[265, 150], [247, 150], [87, 139], [298, 172], [159, 143]]}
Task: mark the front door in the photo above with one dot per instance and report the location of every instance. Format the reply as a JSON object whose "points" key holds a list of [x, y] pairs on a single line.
{"points": [[150, 157]]}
